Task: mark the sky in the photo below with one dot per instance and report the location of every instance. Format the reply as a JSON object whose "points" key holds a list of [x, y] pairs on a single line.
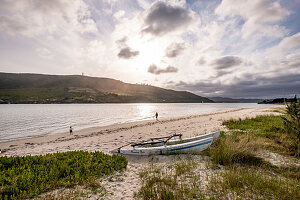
{"points": [[228, 48]]}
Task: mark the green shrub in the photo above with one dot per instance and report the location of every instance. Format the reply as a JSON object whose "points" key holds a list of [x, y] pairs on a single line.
{"points": [[292, 124], [28, 176]]}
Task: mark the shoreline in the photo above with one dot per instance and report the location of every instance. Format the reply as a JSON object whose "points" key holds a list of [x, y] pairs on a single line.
{"points": [[107, 138], [122, 130]]}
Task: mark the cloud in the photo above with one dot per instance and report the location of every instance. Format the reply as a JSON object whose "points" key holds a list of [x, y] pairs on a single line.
{"points": [[290, 42], [44, 53], [174, 49], [227, 62], [153, 69], [247, 86], [33, 17], [283, 52], [162, 18], [127, 53], [122, 42], [201, 61], [291, 61], [259, 16], [118, 15]]}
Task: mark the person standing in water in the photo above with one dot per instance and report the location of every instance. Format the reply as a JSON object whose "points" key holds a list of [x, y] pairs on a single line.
{"points": [[71, 130], [156, 116]]}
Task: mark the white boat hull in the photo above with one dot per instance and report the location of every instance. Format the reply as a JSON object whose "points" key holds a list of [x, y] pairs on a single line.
{"points": [[186, 147], [214, 135]]}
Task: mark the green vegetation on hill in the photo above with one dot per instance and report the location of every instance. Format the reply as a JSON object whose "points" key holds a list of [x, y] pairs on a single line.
{"points": [[37, 88], [28, 176], [279, 100]]}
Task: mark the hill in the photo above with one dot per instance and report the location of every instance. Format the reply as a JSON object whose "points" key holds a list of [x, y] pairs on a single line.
{"points": [[231, 100], [39, 88]]}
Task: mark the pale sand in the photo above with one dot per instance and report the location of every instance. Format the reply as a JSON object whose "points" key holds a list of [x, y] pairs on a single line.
{"points": [[107, 138]]}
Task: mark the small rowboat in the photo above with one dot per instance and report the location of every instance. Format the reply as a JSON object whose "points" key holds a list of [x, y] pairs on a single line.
{"points": [[165, 145]]}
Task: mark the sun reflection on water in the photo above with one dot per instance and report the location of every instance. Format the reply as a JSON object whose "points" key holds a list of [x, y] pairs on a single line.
{"points": [[146, 110]]}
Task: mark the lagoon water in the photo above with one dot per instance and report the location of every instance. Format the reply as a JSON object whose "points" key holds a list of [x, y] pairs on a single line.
{"points": [[19, 121]]}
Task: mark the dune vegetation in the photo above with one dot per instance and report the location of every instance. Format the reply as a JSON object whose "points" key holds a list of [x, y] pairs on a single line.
{"points": [[28, 176]]}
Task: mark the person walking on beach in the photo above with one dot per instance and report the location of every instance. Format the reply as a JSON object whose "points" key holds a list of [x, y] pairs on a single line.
{"points": [[71, 130], [156, 116]]}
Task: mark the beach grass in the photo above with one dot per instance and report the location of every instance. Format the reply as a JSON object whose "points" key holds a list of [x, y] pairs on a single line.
{"points": [[240, 182], [28, 176], [267, 132], [174, 181], [233, 149]]}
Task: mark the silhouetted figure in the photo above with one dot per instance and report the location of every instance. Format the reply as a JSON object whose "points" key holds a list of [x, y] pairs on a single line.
{"points": [[71, 130], [156, 116]]}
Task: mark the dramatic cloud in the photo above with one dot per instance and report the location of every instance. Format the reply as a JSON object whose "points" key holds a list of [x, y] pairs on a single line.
{"points": [[153, 69], [260, 16], [174, 49], [248, 86], [127, 53], [226, 62], [163, 18]]}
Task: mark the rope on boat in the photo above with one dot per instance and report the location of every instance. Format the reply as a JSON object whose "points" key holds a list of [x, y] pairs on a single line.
{"points": [[160, 140]]}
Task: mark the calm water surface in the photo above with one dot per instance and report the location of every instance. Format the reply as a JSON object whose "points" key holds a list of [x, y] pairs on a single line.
{"points": [[19, 121]]}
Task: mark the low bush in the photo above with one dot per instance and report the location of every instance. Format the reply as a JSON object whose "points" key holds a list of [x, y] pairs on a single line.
{"points": [[28, 176]]}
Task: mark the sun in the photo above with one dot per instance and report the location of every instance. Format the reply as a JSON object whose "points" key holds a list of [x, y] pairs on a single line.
{"points": [[150, 52]]}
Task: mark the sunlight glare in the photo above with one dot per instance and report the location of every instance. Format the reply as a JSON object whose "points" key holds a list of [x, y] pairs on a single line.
{"points": [[151, 52], [146, 111]]}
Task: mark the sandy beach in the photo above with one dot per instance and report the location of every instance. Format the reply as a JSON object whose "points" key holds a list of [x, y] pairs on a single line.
{"points": [[107, 138]]}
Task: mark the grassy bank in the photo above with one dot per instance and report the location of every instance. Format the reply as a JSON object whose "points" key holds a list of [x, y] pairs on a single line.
{"points": [[236, 169], [28, 176], [265, 132]]}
